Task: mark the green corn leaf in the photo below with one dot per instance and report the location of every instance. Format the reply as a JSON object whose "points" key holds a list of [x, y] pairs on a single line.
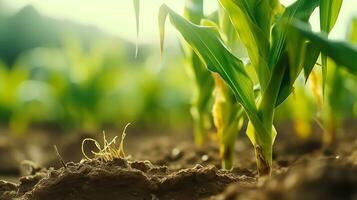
{"points": [[204, 83], [285, 65], [342, 53], [264, 13], [324, 71], [251, 133], [329, 10], [232, 40], [193, 11], [274, 89], [311, 55], [137, 13], [206, 43], [214, 16], [230, 34], [209, 47], [302, 54], [253, 37], [302, 10], [352, 32]]}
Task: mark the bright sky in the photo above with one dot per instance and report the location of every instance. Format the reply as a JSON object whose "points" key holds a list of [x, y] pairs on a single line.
{"points": [[117, 16]]}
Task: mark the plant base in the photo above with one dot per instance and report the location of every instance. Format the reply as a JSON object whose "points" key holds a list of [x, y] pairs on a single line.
{"points": [[263, 165], [227, 156]]}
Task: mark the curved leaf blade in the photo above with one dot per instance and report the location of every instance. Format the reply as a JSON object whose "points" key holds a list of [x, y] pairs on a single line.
{"points": [[282, 38], [352, 32], [137, 21], [252, 36], [311, 56], [342, 53], [206, 43], [329, 10]]}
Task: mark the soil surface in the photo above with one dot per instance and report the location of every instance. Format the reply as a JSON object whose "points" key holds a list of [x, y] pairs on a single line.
{"points": [[169, 168], [120, 179]]}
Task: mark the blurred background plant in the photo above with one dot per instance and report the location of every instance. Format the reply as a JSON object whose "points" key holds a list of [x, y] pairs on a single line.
{"points": [[67, 76], [203, 80]]}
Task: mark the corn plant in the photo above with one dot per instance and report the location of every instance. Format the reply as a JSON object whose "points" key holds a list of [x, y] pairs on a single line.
{"points": [[329, 10], [201, 104], [303, 116], [328, 15], [279, 46], [331, 108], [228, 120], [227, 112], [203, 81], [336, 94]]}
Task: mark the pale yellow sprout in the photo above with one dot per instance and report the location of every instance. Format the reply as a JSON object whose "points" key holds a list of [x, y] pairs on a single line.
{"points": [[109, 151]]}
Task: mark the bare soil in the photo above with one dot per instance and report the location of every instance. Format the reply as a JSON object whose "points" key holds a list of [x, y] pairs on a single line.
{"points": [[164, 167]]}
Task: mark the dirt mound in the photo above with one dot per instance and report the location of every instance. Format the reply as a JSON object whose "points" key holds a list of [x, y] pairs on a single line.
{"points": [[120, 179], [327, 179]]}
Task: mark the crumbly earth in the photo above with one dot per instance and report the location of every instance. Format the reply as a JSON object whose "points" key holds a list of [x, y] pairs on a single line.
{"points": [[309, 181], [121, 179], [302, 170]]}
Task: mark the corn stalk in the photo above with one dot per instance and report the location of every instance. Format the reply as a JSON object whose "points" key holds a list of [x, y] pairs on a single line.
{"points": [[228, 119]]}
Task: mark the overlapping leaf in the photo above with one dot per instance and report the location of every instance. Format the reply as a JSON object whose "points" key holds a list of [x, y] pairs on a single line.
{"points": [[193, 12], [226, 27], [329, 10], [302, 10], [311, 55], [342, 53], [200, 109], [352, 32], [255, 36], [137, 13], [206, 43]]}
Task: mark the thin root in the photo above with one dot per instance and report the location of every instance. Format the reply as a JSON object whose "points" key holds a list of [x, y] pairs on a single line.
{"points": [[59, 157], [109, 151]]}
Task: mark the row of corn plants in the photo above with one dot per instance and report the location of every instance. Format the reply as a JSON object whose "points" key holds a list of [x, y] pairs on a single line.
{"points": [[279, 44], [333, 106], [337, 92], [226, 111]]}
